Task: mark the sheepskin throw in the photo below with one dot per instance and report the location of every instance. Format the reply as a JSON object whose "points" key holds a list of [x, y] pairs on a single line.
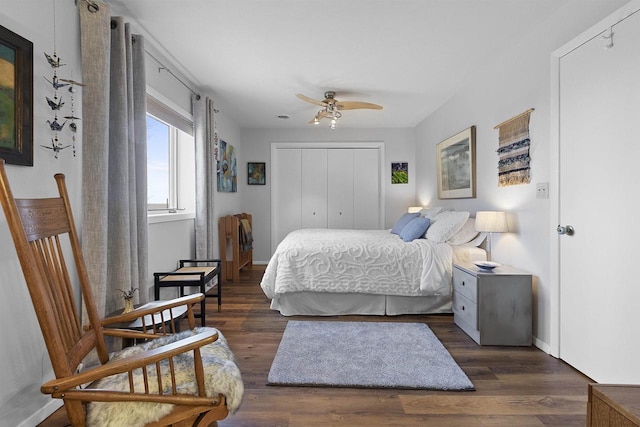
{"points": [[221, 376], [513, 151]]}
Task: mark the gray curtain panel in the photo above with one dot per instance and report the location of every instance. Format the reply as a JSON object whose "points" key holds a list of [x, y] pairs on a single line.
{"points": [[204, 127], [114, 227]]}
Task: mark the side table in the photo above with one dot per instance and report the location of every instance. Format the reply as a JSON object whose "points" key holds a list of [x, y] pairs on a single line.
{"points": [[192, 272], [493, 307]]}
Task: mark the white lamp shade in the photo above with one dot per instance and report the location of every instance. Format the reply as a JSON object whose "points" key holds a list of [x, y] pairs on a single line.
{"points": [[414, 209], [491, 221]]}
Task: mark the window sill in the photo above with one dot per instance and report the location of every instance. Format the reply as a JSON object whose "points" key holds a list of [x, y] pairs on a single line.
{"points": [[155, 218]]}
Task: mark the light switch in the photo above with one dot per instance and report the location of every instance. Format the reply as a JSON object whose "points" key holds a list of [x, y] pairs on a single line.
{"points": [[542, 190]]}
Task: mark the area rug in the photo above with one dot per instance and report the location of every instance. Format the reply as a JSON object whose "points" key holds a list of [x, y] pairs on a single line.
{"points": [[364, 355]]}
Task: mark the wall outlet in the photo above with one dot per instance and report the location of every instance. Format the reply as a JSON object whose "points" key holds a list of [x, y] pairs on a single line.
{"points": [[542, 190]]}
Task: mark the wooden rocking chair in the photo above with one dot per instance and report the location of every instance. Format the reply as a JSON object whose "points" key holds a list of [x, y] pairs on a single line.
{"points": [[38, 227]]}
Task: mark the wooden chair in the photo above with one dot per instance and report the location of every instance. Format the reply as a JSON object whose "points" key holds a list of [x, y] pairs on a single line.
{"points": [[38, 228]]}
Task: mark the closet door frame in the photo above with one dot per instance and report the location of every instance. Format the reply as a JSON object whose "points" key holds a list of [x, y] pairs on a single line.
{"points": [[379, 145]]}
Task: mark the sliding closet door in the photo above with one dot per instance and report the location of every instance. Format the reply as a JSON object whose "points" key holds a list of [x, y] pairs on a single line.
{"points": [[286, 190], [340, 188], [314, 188], [317, 185], [366, 190]]}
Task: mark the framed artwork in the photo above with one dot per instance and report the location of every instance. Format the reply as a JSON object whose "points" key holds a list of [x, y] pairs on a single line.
{"points": [[16, 98], [255, 173], [456, 165], [227, 172], [399, 173]]}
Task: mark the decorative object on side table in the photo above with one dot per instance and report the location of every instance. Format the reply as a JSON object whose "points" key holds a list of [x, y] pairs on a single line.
{"points": [[128, 299], [493, 307], [456, 162], [486, 265], [491, 222]]}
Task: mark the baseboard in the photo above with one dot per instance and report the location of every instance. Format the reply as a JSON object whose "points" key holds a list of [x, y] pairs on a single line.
{"points": [[542, 345], [42, 414]]}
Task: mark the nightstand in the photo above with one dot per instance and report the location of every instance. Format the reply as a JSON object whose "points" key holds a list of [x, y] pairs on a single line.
{"points": [[493, 307]]}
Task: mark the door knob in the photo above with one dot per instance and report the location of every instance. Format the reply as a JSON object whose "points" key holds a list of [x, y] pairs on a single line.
{"points": [[568, 230]]}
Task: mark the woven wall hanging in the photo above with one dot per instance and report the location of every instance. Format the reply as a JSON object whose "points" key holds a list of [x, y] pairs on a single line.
{"points": [[513, 150]]}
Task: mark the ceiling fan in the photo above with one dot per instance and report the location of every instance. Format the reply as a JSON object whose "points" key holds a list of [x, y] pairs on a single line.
{"points": [[331, 107]]}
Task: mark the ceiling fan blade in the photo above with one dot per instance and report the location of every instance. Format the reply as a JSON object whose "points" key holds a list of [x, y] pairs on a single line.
{"points": [[311, 100], [356, 105]]}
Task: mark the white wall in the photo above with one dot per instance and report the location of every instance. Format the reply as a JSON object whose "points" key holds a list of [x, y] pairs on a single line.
{"points": [[23, 354], [501, 88], [399, 145], [23, 349]]}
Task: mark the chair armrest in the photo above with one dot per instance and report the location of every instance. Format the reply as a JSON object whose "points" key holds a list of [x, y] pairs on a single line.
{"points": [[129, 364], [154, 307]]}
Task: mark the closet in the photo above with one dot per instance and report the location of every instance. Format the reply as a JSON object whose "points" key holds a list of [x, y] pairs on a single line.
{"points": [[326, 186]]}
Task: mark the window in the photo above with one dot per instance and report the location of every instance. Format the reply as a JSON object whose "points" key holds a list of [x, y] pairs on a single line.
{"points": [[170, 160]]}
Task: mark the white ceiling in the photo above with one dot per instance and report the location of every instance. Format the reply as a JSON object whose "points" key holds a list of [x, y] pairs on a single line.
{"points": [[410, 56]]}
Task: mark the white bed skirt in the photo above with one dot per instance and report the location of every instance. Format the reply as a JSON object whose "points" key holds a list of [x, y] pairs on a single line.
{"points": [[328, 304]]}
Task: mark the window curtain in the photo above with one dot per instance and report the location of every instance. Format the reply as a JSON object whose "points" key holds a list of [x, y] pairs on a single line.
{"points": [[205, 137], [114, 158]]}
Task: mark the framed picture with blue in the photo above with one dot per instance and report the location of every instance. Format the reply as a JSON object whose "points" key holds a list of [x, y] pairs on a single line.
{"points": [[16, 98], [256, 172]]}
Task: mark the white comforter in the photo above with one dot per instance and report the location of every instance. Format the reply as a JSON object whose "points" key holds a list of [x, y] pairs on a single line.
{"points": [[358, 261]]}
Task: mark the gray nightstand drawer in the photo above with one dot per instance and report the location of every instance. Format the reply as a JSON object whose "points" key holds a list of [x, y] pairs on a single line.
{"points": [[466, 284], [465, 310]]}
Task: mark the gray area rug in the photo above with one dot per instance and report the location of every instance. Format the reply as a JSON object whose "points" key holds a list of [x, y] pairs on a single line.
{"points": [[365, 354]]}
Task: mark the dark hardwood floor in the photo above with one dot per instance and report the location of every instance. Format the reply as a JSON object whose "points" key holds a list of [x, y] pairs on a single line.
{"points": [[515, 386]]}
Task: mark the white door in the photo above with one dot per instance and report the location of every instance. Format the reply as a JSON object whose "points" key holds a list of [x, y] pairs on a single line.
{"points": [[340, 190], [366, 190], [599, 197], [314, 188], [285, 190]]}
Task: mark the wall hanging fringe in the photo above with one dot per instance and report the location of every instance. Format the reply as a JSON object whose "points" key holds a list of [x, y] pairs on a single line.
{"points": [[513, 150]]}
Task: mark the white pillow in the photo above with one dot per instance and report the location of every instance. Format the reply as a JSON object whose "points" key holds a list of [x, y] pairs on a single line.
{"points": [[430, 212], [445, 225], [466, 234]]}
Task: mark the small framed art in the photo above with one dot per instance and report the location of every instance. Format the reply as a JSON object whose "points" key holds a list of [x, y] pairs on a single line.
{"points": [[256, 173], [399, 173], [456, 164]]}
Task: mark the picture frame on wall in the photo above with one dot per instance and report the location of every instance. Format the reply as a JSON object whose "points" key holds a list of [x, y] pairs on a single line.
{"points": [[456, 165], [16, 98], [399, 173], [256, 172]]}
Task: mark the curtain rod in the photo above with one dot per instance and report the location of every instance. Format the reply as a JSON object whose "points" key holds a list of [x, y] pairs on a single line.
{"points": [[514, 117], [164, 67]]}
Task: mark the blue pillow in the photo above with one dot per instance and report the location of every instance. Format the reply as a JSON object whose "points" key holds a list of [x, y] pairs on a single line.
{"points": [[415, 229], [403, 221]]}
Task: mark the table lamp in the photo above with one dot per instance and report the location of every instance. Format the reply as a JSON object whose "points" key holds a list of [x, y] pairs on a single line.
{"points": [[491, 222]]}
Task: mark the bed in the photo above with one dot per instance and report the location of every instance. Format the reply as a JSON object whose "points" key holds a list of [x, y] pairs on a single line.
{"points": [[324, 272]]}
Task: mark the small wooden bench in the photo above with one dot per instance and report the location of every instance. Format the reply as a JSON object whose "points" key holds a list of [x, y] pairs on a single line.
{"points": [[192, 272]]}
